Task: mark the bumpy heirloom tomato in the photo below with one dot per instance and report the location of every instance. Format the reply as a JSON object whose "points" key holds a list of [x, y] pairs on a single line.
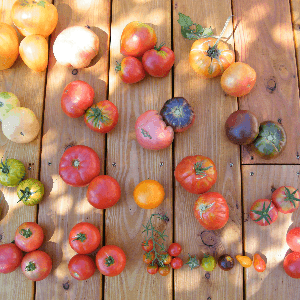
{"points": [[245, 261], [258, 263], [196, 174], [81, 267], [208, 59], [211, 210], [10, 258], [286, 199], [8, 101], [102, 117], [293, 239], [30, 191], [263, 212], [12, 172], [79, 165], [151, 131], [110, 260], [137, 38], [291, 264]]}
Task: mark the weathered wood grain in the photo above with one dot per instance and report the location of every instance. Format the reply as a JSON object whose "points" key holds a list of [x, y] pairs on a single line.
{"points": [[65, 206], [133, 164], [295, 11], [269, 241], [206, 137]]}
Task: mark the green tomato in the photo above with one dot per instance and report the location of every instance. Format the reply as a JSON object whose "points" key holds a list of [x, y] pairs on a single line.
{"points": [[12, 171], [208, 262], [30, 191], [8, 101]]}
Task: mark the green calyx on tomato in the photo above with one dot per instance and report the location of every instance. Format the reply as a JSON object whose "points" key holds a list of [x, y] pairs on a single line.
{"points": [[203, 207], [80, 237], [30, 191], [76, 163], [12, 172], [145, 133], [26, 232], [264, 213], [109, 261], [200, 170], [291, 196], [30, 266], [26, 194], [159, 47], [193, 262], [95, 115]]}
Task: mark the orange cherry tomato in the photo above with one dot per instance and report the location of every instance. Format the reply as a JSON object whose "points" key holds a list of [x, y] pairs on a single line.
{"points": [[148, 257], [147, 245], [164, 270], [258, 263], [245, 261]]}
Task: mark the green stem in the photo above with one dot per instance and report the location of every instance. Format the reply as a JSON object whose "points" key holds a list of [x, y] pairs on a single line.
{"points": [[80, 237], [109, 261], [76, 163], [159, 47], [26, 233], [30, 266]]}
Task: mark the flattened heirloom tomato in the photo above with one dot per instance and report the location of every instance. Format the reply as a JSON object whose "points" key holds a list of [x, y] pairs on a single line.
{"points": [[263, 212], [79, 165], [291, 264], [293, 239], [110, 260], [196, 174], [258, 263], [102, 116], [30, 191], [12, 172], [81, 267], [210, 60], [10, 258], [286, 199], [84, 238], [211, 210]]}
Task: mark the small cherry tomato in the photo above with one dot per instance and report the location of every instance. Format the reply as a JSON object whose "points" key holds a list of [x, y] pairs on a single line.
{"points": [[258, 263], [147, 245], [166, 258], [152, 269], [164, 270], [174, 249], [176, 263], [225, 262], [81, 267], [208, 263], [148, 257], [245, 261]]}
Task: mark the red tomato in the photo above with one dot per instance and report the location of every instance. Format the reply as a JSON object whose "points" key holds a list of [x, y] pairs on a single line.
{"points": [[293, 239], [10, 258], [158, 61], [152, 269], [176, 263], [147, 246], [148, 257], [258, 263], [77, 97], [84, 238], [130, 70], [196, 174], [36, 265], [137, 38], [286, 199], [211, 210], [166, 258], [79, 165], [174, 249], [103, 192], [81, 267], [102, 117], [29, 236], [110, 260], [291, 264], [263, 212], [164, 270]]}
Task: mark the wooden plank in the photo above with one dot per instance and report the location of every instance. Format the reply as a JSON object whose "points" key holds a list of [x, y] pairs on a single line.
{"points": [[206, 137], [130, 164], [270, 240], [264, 40], [65, 206], [295, 11]]}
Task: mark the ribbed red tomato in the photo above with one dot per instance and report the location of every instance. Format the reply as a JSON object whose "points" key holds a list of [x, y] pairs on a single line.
{"points": [[263, 212]]}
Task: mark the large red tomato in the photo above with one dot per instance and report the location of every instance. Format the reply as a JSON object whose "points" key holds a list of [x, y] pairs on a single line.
{"points": [[130, 70], [102, 117], [196, 174], [79, 165], [211, 210], [110, 260], [77, 97], [286, 199], [137, 38], [293, 239], [151, 131], [10, 258], [81, 267], [291, 264], [263, 212], [84, 238], [103, 192]]}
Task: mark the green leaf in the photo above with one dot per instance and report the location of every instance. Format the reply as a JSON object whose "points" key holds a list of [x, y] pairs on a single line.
{"points": [[184, 21], [5, 95], [207, 32], [42, 3]]}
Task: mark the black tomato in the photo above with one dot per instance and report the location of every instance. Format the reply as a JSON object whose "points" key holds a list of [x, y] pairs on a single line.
{"points": [[226, 262], [242, 127], [178, 113]]}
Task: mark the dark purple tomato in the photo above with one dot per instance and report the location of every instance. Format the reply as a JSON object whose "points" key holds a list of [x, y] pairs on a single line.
{"points": [[226, 262], [178, 113], [242, 127]]}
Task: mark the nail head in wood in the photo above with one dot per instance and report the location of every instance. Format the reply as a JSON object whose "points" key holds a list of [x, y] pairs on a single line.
{"points": [[207, 275], [66, 285], [161, 164], [231, 165], [114, 164], [251, 173], [49, 163]]}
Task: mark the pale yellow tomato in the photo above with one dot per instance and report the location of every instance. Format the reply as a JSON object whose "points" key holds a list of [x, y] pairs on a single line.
{"points": [[8, 101]]}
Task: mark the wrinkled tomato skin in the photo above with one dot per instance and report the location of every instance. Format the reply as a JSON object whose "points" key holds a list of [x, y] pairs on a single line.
{"points": [[293, 239], [10, 258], [88, 169], [279, 196], [174, 249], [215, 216], [152, 269], [176, 263], [77, 97], [81, 267], [185, 174], [131, 70], [258, 205], [291, 264]]}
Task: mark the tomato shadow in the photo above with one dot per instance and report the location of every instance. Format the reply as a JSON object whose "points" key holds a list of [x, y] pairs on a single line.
{"points": [[55, 252]]}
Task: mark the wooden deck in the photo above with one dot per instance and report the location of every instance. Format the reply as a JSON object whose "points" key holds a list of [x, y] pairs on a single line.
{"points": [[267, 37]]}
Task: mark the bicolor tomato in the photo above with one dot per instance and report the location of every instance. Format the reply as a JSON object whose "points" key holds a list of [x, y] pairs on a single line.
{"points": [[286, 199], [263, 212]]}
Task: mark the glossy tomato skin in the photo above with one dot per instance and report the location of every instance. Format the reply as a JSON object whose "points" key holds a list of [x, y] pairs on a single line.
{"points": [[286, 199], [110, 260], [36, 265], [10, 258], [79, 165], [196, 174], [178, 113], [130, 70], [158, 61], [12, 172], [267, 215], [176, 263], [208, 62], [258, 263], [81, 267], [164, 270], [174, 249], [102, 117], [29, 236], [84, 238], [211, 210], [293, 239], [147, 246], [137, 38], [148, 257], [152, 269], [76, 98], [291, 264]]}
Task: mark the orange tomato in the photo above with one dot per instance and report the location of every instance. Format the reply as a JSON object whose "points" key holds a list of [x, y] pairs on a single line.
{"points": [[245, 261], [9, 46], [149, 194], [209, 60], [34, 52], [258, 263]]}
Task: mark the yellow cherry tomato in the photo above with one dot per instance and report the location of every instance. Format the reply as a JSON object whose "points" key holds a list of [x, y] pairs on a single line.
{"points": [[245, 261]]}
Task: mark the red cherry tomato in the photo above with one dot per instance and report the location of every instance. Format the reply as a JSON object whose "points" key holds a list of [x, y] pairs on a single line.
{"points": [[176, 263], [148, 257], [291, 264], [263, 212], [174, 249], [147, 246], [286, 199], [164, 270], [293, 239], [81, 267], [10, 258], [152, 269]]}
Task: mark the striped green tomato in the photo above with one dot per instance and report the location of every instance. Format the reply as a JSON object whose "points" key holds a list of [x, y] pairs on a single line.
{"points": [[30, 191]]}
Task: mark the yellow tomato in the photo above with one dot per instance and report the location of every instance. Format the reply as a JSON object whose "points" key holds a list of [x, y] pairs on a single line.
{"points": [[149, 194], [245, 261], [8, 101]]}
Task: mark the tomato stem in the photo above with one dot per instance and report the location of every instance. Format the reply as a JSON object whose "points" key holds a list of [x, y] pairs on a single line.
{"points": [[200, 170], [291, 196], [76, 163], [109, 261], [80, 237], [4, 167], [26, 232], [30, 266], [159, 47], [118, 67], [223, 30], [26, 194]]}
